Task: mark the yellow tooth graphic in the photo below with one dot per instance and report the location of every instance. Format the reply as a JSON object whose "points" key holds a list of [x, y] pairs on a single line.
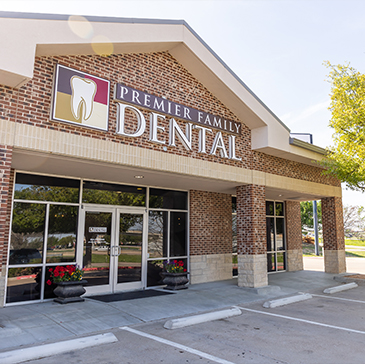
{"points": [[82, 100]]}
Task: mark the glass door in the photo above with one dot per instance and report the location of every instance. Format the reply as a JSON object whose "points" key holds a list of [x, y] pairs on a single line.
{"points": [[113, 248], [128, 254], [99, 235]]}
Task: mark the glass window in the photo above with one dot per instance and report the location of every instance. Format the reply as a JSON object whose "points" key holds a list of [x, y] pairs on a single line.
{"points": [[27, 235], [154, 268], [270, 237], [270, 208], [280, 234], [157, 234], [62, 232], [271, 265], [281, 261], [178, 233], [24, 284], [234, 233], [234, 205], [44, 188], [113, 194], [166, 199], [279, 208]]}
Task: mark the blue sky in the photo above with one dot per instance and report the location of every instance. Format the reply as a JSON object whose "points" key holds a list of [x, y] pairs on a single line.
{"points": [[277, 47]]}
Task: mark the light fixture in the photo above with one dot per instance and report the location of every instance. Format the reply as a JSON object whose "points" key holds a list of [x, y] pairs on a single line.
{"points": [[138, 177], [280, 195]]}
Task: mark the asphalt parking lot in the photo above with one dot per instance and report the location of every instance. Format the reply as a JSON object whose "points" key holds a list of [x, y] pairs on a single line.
{"points": [[324, 329]]}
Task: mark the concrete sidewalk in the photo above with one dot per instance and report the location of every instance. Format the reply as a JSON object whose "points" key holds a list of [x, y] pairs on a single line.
{"points": [[31, 324], [353, 265]]}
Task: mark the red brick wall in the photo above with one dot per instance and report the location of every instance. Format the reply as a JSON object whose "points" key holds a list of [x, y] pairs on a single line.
{"points": [[332, 223], [6, 176], [8, 103], [210, 223], [251, 220], [293, 225], [156, 73]]}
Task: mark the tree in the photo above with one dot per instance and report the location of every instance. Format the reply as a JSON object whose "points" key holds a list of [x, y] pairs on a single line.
{"points": [[306, 211], [345, 159], [354, 220]]}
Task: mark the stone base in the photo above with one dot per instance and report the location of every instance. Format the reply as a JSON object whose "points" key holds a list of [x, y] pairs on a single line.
{"points": [[294, 260], [334, 261], [252, 270], [210, 268]]}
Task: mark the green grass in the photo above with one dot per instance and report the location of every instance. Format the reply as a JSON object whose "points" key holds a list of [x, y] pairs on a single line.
{"points": [[96, 258], [358, 254], [355, 242]]}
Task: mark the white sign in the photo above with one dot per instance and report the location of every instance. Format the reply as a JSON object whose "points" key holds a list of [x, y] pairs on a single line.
{"points": [[97, 229]]}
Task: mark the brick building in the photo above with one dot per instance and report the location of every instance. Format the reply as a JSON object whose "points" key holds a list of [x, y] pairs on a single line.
{"points": [[126, 143]]}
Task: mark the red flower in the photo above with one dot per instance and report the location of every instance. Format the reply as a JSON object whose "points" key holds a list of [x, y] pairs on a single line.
{"points": [[50, 270], [184, 269], [49, 282]]}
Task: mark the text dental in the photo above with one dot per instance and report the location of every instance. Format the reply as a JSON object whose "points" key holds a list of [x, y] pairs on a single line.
{"points": [[132, 96]]}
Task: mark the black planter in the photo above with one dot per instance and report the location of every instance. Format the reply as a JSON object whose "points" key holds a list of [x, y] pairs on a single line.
{"points": [[175, 281], [70, 291]]}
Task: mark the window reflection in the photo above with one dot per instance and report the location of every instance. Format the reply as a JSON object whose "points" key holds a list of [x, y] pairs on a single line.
{"points": [[24, 284], [178, 234], [113, 194], [167, 199], [44, 188], [157, 234], [62, 232], [27, 236]]}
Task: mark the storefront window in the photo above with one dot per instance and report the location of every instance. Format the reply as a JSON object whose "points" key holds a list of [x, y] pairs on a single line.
{"points": [[62, 232], [27, 235], [24, 284], [44, 188], [167, 231], [275, 236], [157, 234], [178, 236], [166, 199], [113, 194]]}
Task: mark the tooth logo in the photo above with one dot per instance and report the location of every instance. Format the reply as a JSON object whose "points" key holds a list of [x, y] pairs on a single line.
{"points": [[80, 98], [83, 93]]}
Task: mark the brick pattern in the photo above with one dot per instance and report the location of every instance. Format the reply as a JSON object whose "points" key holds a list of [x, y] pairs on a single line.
{"points": [[156, 73], [6, 176], [332, 223], [210, 223], [251, 220], [293, 225]]}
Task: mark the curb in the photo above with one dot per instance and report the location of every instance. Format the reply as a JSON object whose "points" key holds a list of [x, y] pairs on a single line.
{"points": [[287, 300], [198, 319], [41, 351], [343, 287]]}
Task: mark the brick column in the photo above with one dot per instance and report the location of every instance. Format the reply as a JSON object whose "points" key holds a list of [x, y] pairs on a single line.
{"points": [[293, 236], [333, 235], [6, 178], [251, 236], [210, 236]]}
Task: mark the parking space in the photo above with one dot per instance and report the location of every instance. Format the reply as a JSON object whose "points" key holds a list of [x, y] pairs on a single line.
{"points": [[324, 329]]}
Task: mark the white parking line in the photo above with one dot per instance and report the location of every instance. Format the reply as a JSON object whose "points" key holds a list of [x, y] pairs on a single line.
{"points": [[302, 320], [337, 298], [178, 346]]}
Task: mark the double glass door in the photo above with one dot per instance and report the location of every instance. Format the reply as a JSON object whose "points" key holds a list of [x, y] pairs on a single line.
{"points": [[113, 248]]}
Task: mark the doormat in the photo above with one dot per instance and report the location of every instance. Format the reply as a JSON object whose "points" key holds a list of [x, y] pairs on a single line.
{"points": [[124, 296]]}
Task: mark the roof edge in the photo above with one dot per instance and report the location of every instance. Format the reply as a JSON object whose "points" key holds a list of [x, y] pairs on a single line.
{"points": [[301, 144]]}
